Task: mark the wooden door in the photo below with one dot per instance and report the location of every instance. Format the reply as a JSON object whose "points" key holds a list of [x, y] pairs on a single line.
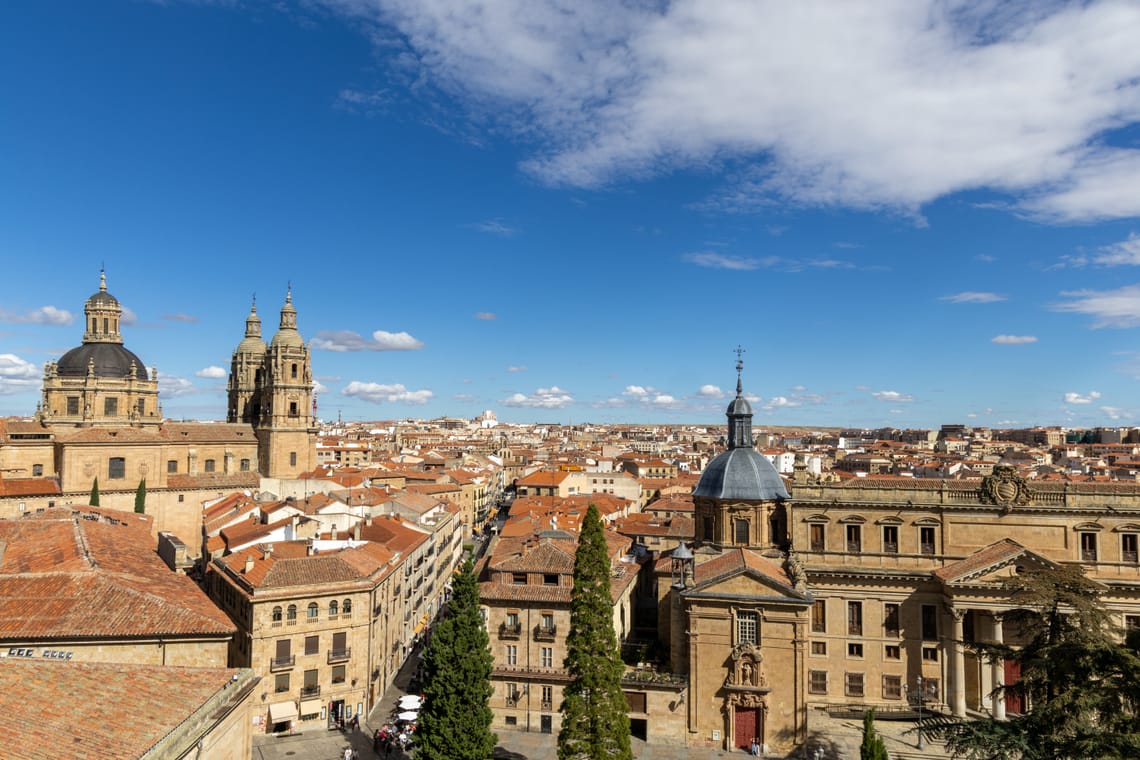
{"points": [[1013, 700], [747, 727]]}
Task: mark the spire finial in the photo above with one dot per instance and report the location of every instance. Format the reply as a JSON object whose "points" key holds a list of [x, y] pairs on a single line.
{"points": [[253, 304], [102, 279], [289, 292], [739, 368]]}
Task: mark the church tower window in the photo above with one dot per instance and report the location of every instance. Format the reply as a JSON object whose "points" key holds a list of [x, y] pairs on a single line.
{"points": [[116, 468], [740, 528], [747, 628]]}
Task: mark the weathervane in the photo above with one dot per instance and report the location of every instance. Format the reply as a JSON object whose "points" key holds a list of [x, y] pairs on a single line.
{"points": [[739, 367]]}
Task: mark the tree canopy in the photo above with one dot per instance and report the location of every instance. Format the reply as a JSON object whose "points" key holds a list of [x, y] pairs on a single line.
{"points": [[1081, 684], [595, 718], [872, 747], [455, 722], [94, 500]]}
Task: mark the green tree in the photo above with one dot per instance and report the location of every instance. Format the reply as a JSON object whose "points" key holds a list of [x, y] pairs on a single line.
{"points": [[455, 722], [94, 500], [1081, 684], [872, 747], [140, 497], [595, 721]]}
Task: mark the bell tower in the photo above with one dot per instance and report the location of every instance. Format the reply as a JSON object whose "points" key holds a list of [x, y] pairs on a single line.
{"points": [[247, 369], [286, 430]]}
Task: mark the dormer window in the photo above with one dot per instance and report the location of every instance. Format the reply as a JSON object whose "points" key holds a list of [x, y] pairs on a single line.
{"points": [[518, 579]]}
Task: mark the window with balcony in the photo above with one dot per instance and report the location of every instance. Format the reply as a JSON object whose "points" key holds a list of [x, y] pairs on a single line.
{"points": [[312, 612], [854, 618], [926, 540], [346, 608], [747, 628], [312, 686], [334, 609], [819, 616], [929, 622], [817, 681], [1128, 546], [291, 614], [890, 539], [854, 538], [276, 615], [815, 537], [1088, 547]]}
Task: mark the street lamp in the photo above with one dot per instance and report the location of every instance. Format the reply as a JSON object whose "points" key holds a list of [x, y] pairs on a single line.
{"points": [[921, 695]]}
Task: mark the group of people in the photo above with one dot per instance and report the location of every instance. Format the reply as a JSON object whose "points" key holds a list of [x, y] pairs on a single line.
{"points": [[389, 736]]}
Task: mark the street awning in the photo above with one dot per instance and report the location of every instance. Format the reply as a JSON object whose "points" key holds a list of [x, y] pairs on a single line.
{"points": [[311, 706], [280, 712]]}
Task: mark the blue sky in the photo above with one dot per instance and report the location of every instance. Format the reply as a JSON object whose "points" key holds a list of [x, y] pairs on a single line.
{"points": [[908, 213]]}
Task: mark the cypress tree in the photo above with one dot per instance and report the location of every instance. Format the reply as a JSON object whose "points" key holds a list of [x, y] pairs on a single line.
{"points": [[595, 718], [455, 721], [140, 497], [872, 747], [94, 500]]}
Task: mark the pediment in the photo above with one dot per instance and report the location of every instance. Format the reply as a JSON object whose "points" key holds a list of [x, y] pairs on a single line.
{"points": [[743, 573], [993, 565]]}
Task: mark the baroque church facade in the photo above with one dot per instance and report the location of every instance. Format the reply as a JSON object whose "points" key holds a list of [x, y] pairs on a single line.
{"points": [[100, 421]]}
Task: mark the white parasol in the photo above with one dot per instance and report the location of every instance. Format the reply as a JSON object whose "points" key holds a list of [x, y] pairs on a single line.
{"points": [[408, 715], [410, 701]]}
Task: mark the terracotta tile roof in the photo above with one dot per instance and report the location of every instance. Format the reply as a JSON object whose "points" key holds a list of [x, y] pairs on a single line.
{"points": [[214, 481], [544, 478], [92, 711], [290, 569], [29, 487], [80, 577], [738, 560], [993, 554]]}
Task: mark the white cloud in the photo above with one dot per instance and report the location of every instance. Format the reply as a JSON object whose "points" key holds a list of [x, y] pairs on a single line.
{"points": [[212, 373], [543, 398], [172, 385], [188, 318], [1124, 253], [1076, 398], [319, 387], [347, 340], [378, 393], [1109, 308], [17, 375], [636, 391], [129, 318], [849, 104], [973, 296], [1113, 412], [893, 397], [495, 227], [45, 315], [779, 402], [516, 368], [715, 260], [710, 391], [1013, 340], [487, 316]]}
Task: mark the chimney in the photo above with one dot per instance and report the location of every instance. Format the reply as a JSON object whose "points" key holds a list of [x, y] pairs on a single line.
{"points": [[310, 548], [332, 533], [248, 564], [356, 532], [268, 551]]}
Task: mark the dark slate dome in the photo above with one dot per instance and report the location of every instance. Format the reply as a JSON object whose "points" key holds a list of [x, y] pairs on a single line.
{"points": [[741, 473], [111, 360], [102, 298]]}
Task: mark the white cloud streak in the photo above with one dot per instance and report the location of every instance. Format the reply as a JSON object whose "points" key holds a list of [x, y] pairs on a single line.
{"points": [[1077, 398], [1013, 340], [212, 373], [45, 315], [17, 375], [347, 340], [543, 398], [882, 105], [1108, 308], [973, 296], [395, 393]]}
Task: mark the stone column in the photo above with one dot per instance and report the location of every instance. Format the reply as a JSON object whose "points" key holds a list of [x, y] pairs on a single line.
{"points": [[998, 670], [957, 664]]}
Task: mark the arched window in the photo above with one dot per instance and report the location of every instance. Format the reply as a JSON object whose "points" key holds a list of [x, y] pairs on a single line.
{"points": [[292, 613], [333, 608], [346, 607], [276, 614], [312, 613]]}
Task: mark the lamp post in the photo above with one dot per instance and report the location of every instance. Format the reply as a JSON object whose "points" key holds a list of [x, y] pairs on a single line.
{"points": [[920, 693]]}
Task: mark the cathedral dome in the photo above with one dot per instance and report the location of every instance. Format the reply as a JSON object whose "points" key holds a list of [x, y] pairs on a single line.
{"points": [[741, 473], [287, 335], [107, 359], [252, 342]]}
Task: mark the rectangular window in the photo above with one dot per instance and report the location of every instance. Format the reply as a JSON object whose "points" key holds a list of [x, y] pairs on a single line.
{"points": [[930, 654], [37, 470], [312, 644], [72, 406], [547, 697], [892, 687], [815, 537], [1088, 547], [281, 683], [338, 673], [817, 681], [929, 622], [245, 465], [312, 683], [110, 407], [1131, 621], [931, 690], [1128, 546], [819, 616], [292, 458], [210, 465], [853, 684], [708, 527], [292, 408], [513, 620], [172, 465], [547, 657], [854, 618], [141, 407], [747, 628], [116, 468], [854, 538], [926, 540], [512, 655], [891, 652], [890, 619], [854, 650], [819, 647], [890, 539], [741, 529], [550, 579]]}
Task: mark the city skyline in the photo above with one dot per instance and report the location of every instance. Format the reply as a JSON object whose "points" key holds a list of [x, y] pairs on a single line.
{"points": [[907, 215]]}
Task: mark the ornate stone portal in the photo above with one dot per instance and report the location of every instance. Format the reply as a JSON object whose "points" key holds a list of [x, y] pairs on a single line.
{"points": [[746, 670]]}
